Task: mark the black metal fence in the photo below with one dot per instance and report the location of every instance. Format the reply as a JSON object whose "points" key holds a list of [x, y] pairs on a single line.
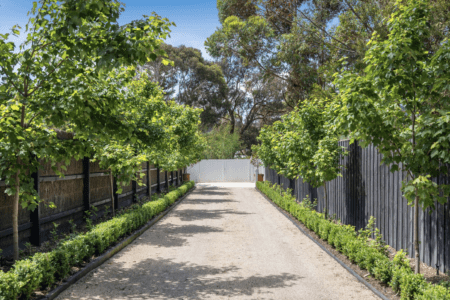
{"points": [[367, 188]]}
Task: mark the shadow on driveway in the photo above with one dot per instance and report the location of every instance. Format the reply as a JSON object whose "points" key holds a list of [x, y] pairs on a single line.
{"points": [[170, 235], [163, 278]]}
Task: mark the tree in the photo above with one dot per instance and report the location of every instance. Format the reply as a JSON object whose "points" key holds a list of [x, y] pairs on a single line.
{"points": [[51, 84], [221, 144], [400, 105], [301, 42], [191, 80], [303, 145], [225, 89]]}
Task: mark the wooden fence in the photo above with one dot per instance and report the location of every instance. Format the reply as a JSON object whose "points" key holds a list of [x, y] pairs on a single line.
{"points": [[367, 188], [85, 185]]}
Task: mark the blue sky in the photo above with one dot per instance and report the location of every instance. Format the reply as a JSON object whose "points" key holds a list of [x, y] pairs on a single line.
{"points": [[195, 19]]}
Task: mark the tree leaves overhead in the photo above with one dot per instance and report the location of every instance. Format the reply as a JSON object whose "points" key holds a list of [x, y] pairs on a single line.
{"points": [[70, 91]]}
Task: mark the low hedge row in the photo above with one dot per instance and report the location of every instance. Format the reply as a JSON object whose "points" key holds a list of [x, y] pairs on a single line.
{"points": [[396, 273], [44, 269]]}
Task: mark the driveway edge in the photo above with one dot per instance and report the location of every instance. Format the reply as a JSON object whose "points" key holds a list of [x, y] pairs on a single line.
{"points": [[110, 253], [350, 270]]}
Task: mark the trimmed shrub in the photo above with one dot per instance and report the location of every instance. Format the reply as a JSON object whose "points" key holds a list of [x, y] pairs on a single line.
{"points": [[382, 269], [29, 276], [9, 286], [434, 292], [411, 286]]}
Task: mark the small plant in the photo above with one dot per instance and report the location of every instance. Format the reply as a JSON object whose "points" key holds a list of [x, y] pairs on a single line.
{"points": [[87, 218], [29, 248], [366, 233], [54, 233], [379, 243], [46, 246], [105, 215], [73, 226], [94, 211], [401, 260], [308, 204], [445, 283]]}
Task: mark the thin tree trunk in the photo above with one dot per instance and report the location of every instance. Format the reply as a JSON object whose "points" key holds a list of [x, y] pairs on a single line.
{"points": [[15, 217], [416, 234], [326, 199], [112, 194]]}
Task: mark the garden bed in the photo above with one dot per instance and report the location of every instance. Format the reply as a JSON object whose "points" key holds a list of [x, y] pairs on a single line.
{"points": [[34, 277], [389, 268]]}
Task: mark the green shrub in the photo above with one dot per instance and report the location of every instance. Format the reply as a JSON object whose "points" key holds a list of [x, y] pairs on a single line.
{"points": [[411, 286], [29, 276], [9, 286], [433, 292], [401, 260], [60, 262], [382, 269], [43, 261], [397, 274]]}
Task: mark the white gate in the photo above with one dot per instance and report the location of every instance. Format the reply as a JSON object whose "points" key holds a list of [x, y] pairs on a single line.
{"points": [[224, 170]]}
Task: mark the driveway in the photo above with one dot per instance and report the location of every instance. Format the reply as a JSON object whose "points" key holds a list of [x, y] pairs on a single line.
{"points": [[224, 241]]}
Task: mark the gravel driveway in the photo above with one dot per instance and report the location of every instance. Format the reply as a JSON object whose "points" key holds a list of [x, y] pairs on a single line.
{"points": [[221, 242]]}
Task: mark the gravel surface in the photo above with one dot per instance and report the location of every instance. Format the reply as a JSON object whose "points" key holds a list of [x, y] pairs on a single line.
{"points": [[221, 242]]}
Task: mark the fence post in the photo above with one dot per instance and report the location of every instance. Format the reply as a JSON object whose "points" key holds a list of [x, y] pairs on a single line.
{"points": [[116, 196], [176, 176], [166, 181], [134, 191], [181, 175], [292, 186], [172, 178], [158, 180], [86, 184], [149, 180], [35, 237]]}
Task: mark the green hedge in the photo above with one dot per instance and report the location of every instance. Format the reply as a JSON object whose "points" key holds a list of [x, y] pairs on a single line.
{"points": [[44, 269], [397, 273]]}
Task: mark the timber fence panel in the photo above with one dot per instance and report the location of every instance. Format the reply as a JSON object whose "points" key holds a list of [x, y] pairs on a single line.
{"points": [[85, 185]]}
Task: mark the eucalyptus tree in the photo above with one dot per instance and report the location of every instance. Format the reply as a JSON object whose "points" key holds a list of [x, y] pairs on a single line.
{"points": [[301, 42], [400, 104], [47, 83], [191, 79]]}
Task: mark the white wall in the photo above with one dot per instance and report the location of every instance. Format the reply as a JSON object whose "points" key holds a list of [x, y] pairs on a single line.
{"points": [[224, 170]]}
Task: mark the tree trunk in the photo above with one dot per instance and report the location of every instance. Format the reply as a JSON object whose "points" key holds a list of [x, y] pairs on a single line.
{"points": [[416, 234], [326, 199], [15, 217], [112, 194], [233, 121]]}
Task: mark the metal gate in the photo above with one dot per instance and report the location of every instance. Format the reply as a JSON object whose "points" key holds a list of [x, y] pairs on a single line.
{"points": [[224, 170]]}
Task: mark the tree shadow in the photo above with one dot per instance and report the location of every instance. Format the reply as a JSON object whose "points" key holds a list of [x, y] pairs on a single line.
{"points": [[189, 215], [208, 201], [163, 278], [170, 235]]}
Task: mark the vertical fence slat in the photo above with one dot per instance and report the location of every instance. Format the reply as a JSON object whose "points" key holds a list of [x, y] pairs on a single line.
{"points": [[35, 237], [368, 188], [149, 180], [158, 180]]}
